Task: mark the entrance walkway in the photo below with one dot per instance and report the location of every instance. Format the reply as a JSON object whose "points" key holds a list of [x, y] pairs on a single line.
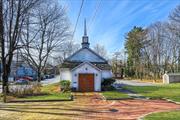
{"points": [[86, 106], [134, 83]]}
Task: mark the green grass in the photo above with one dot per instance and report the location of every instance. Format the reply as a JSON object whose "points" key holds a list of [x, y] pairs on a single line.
{"points": [[54, 96], [50, 88], [52, 93], [114, 95], [171, 91], [173, 115]]}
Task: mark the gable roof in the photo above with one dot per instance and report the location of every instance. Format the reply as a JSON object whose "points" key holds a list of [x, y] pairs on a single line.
{"points": [[71, 65], [85, 55], [84, 64]]}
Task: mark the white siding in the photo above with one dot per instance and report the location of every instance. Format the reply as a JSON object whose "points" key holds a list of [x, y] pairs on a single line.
{"points": [[106, 74], [65, 74], [87, 68]]}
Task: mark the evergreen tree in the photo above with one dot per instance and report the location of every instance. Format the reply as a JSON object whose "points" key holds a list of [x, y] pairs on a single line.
{"points": [[133, 46]]}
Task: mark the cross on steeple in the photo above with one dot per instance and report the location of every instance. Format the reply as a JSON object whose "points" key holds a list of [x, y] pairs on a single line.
{"points": [[85, 42]]}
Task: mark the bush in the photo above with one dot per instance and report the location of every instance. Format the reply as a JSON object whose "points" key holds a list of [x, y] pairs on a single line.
{"points": [[108, 88], [65, 85], [73, 89], [25, 90], [107, 84], [108, 81]]}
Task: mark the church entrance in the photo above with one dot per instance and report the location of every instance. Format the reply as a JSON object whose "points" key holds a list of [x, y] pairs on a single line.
{"points": [[86, 82]]}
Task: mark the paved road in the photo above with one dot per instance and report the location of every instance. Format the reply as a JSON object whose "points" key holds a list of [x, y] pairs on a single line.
{"points": [[133, 83], [50, 81], [119, 83]]}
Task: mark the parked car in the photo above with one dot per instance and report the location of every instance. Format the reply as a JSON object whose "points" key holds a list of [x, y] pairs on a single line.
{"points": [[22, 82], [46, 76], [51, 76], [28, 78]]}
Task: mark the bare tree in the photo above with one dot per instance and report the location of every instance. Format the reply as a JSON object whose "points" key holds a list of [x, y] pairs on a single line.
{"points": [[160, 48], [118, 63], [44, 35], [1, 35], [175, 29], [160, 51], [100, 49], [175, 15], [68, 48], [13, 14]]}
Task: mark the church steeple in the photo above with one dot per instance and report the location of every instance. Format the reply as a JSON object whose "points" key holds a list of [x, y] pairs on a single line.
{"points": [[85, 41], [85, 31]]}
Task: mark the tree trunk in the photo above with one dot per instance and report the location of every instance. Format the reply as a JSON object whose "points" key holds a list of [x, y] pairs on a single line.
{"points": [[4, 70], [39, 76], [5, 83]]}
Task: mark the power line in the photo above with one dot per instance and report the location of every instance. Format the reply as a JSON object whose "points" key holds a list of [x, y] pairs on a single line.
{"points": [[78, 18], [95, 14]]}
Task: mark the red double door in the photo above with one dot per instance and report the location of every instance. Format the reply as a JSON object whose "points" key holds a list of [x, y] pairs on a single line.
{"points": [[86, 82]]}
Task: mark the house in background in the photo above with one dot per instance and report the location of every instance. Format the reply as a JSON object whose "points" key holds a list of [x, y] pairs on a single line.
{"points": [[85, 68], [25, 71], [20, 69]]}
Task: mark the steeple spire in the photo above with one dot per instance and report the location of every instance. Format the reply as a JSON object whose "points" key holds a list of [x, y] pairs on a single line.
{"points": [[85, 41], [85, 30]]}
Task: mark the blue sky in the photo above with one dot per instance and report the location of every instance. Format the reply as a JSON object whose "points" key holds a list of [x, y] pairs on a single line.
{"points": [[114, 18]]}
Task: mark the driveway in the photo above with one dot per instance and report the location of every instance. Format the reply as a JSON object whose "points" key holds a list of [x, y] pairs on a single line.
{"points": [[86, 106], [51, 81], [134, 83]]}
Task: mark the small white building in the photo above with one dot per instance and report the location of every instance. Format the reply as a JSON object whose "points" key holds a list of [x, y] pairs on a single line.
{"points": [[171, 78], [85, 68]]}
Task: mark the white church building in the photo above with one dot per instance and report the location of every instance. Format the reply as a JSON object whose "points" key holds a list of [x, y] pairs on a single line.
{"points": [[85, 68]]}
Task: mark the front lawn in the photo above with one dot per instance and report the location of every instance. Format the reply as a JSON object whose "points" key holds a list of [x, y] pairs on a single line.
{"points": [[110, 95], [53, 96], [173, 115], [52, 93], [170, 91]]}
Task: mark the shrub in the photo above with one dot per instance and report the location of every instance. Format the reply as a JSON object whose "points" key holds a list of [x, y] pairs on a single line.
{"points": [[65, 85], [108, 88], [73, 89], [108, 81], [107, 84], [26, 90]]}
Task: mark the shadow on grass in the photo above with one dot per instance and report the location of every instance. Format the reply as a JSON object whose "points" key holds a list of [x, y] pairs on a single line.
{"points": [[40, 108], [78, 113], [50, 113]]}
